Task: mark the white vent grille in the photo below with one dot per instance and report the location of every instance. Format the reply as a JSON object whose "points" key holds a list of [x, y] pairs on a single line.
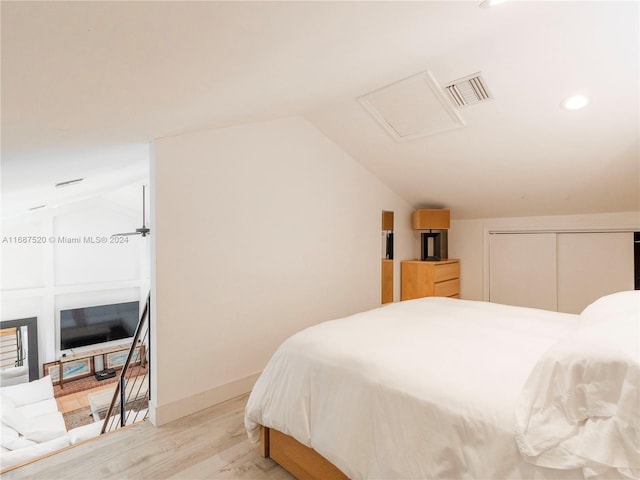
{"points": [[468, 90]]}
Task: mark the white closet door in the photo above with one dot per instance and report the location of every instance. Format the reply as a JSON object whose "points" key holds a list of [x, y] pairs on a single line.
{"points": [[591, 265], [522, 269]]}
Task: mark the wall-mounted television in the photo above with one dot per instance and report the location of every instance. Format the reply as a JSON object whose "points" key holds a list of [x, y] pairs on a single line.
{"points": [[80, 327]]}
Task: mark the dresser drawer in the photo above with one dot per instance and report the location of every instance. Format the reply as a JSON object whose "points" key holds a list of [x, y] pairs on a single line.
{"points": [[426, 279], [447, 288], [447, 271]]}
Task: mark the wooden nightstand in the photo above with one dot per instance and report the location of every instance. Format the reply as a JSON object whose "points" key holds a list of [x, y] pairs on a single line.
{"points": [[430, 279]]}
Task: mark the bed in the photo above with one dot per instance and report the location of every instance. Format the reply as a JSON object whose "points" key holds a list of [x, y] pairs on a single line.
{"points": [[444, 388]]}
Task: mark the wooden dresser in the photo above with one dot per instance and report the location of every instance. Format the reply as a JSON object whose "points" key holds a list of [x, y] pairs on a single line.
{"points": [[430, 279]]}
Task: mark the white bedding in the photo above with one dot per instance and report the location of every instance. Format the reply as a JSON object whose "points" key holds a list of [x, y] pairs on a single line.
{"points": [[417, 389], [580, 405]]}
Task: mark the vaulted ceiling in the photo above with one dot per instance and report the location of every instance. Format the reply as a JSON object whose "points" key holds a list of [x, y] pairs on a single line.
{"points": [[86, 85]]}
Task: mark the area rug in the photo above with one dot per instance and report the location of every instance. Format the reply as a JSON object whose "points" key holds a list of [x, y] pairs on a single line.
{"points": [[82, 416], [77, 418]]}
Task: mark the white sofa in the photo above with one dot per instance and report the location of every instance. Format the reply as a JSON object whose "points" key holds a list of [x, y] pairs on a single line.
{"points": [[14, 375], [31, 424]]}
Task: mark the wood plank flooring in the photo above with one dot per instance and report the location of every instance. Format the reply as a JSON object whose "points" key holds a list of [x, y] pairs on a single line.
{"points": [[74, 401], [210, 444]]}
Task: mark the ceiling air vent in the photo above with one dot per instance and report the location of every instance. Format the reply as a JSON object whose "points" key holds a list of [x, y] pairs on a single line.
{"points": [[468, 90], [412, 108]]}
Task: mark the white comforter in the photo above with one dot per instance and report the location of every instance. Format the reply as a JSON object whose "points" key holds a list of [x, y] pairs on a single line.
{"points": [[580, 406], [418, 389]]}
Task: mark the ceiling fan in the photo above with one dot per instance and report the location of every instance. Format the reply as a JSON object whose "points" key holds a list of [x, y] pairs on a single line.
{"points": [[144, 231]]}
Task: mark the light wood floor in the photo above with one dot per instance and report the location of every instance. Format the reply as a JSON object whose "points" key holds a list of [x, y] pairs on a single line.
{"points": [[211, 444], [73, 401]]}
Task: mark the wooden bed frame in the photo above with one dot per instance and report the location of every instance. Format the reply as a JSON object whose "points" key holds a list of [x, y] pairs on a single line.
{"points": [[302, 462]]}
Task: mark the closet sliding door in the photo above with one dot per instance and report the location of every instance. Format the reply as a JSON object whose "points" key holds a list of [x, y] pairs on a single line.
{"points": [[591, 265], [522, 269], [559, 271]]}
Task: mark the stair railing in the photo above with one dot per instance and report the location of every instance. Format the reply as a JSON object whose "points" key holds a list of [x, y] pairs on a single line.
{"points": [[133, 386]]}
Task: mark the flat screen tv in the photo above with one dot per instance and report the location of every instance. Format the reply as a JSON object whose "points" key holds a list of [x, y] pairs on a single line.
{"points": [[84, 326]]}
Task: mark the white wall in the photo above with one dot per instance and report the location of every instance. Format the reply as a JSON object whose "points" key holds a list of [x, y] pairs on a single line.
{"points": [[262, 230], [468, 240], [39, 279]]}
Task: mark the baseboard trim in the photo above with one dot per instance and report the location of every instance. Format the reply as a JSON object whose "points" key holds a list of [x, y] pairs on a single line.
{"points": [[163, 414]]}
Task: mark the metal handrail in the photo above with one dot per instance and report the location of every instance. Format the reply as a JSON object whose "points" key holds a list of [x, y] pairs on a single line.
{"points": [[120, 391]]}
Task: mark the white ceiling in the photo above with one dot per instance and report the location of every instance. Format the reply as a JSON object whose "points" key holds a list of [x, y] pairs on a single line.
{"points": [[86, 86]]}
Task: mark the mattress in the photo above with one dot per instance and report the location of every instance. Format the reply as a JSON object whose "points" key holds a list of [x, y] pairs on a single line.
{"points": [[417, 389]]}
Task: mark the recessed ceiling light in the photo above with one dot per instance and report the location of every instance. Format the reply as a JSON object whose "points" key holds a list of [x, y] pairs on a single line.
{"points": [[69, 182], [575, 102], [491, 3]]}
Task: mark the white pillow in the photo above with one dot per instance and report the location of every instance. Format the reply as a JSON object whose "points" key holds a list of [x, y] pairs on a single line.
{"points": [[46, 427], [19, 443], [579, 406], [32, 392], [7, 435], [39, 408], [11, 417], [38, 429], [617, 305], [6, 401]]}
